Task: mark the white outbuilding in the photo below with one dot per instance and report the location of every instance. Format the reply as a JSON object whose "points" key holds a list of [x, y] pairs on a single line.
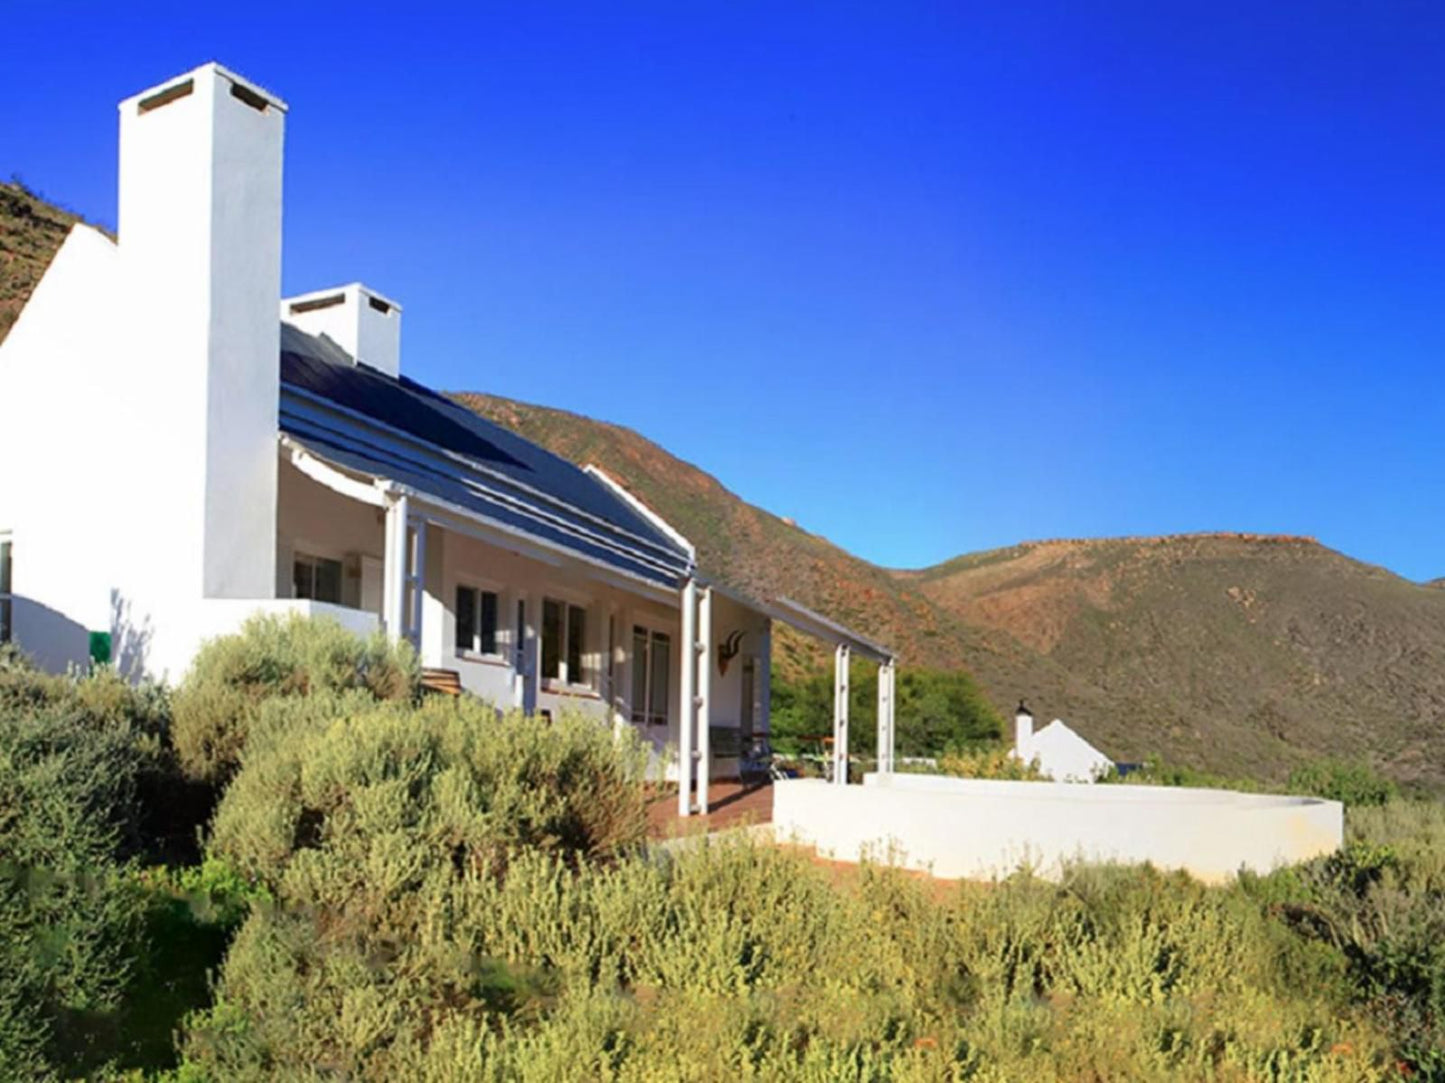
{"points": [[1061, 754]]}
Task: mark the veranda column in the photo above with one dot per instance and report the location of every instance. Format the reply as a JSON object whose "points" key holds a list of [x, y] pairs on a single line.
{"points": [[687, 704], [763, 715], [527, 661], [885, 716], [414, 590], [703, 652], [892, 711], [612, 668], [519, 650], [393, 572], [840, 715]]}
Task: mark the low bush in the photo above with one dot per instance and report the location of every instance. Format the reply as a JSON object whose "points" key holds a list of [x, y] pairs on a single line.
{"points": [[71, 921], [361, 828], [731, 960], [1156, 772], [292, 657], [1380, 903], [991, 761], [1354, 783], [339, 804]]}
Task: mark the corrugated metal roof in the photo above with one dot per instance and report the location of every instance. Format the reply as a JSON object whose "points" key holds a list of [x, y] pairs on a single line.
{"points": [[397, 428]]}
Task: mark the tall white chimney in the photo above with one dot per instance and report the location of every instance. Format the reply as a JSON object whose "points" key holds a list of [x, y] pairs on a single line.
{"points": [[200, 255], [357, 318]]}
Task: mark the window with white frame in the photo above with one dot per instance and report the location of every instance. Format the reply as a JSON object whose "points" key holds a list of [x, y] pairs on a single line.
{"points": [[316, 578], [477, 614], [564, 642], [651, 667], [7, 600]]}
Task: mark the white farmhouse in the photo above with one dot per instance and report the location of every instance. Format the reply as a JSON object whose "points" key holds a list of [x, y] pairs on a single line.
{"points": [[1061, 753], [185, 447]]}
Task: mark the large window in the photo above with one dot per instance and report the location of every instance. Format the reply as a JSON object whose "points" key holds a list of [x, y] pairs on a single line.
{"points": [[7, 604], [651, 666], [564, 642], [316, 578], [477, 615]]}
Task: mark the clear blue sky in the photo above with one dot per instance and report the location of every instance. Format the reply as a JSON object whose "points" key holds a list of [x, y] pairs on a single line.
{"points": [[926, 278]]}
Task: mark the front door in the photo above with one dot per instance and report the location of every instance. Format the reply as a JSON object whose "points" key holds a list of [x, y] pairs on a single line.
{"points": [[651, 698]]}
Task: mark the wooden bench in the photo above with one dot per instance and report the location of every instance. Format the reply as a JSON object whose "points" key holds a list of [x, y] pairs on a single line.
{"points": [[442, 682]]}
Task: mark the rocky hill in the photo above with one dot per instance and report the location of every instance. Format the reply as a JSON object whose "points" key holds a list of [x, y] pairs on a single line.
{"points": [[1222, 649], [30, 234], [1233, 653]]}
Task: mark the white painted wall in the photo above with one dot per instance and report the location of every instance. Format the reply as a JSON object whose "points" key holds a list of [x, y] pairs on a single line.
{"points": [[66, 438], [224, 616], [969, 828]]}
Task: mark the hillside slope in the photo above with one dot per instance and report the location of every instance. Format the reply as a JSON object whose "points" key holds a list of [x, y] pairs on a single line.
{"points": [[31, 231], [1226, 652], [1226, 649]]}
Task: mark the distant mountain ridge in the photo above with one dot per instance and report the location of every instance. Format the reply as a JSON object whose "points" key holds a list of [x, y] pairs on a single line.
{"points": [[1237, 653]]}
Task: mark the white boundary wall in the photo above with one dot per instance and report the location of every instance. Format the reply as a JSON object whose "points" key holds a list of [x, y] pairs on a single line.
{"points": [[958, 828]]}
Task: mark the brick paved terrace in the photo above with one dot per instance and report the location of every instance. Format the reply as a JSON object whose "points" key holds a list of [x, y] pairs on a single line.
{"points": [[731, 804]]}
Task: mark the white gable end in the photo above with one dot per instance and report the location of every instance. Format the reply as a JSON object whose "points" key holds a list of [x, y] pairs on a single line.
{"points": [[1064, 756]]}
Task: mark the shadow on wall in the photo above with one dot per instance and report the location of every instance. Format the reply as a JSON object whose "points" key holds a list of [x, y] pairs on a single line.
{"points": [[131, 638], [51, 639]]}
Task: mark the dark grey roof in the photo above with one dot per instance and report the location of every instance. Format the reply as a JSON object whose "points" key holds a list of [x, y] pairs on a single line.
{"points": [[397, 428]]}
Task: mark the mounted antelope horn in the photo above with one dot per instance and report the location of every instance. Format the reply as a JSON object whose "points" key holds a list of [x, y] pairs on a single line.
{"points": [[727, 650]]}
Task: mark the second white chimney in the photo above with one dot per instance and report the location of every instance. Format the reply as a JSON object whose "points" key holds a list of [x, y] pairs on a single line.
{"points": [[1023, 732], [358, 319]]}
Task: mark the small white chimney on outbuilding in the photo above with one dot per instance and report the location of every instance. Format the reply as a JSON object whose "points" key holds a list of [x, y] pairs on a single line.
{"points": [[358, 319], [1023, 732]]}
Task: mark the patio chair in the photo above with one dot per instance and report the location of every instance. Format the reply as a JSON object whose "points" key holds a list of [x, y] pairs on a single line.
{"points": [[758, 762]]}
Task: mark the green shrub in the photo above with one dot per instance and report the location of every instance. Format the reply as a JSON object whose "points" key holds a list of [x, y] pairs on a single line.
{"points": [[292, 656], [71, 922], [361, 828], [1380, 904], [1155, 771], [992, 761], [731, 960], [936, 710], [1354, 783], [450, 783]]}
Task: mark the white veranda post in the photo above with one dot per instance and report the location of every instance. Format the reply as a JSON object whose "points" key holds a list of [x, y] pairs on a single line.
{"points": [[886, 672], [394, 567], [703, 653], [688, 659], [840, 715], [415, 588]]}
